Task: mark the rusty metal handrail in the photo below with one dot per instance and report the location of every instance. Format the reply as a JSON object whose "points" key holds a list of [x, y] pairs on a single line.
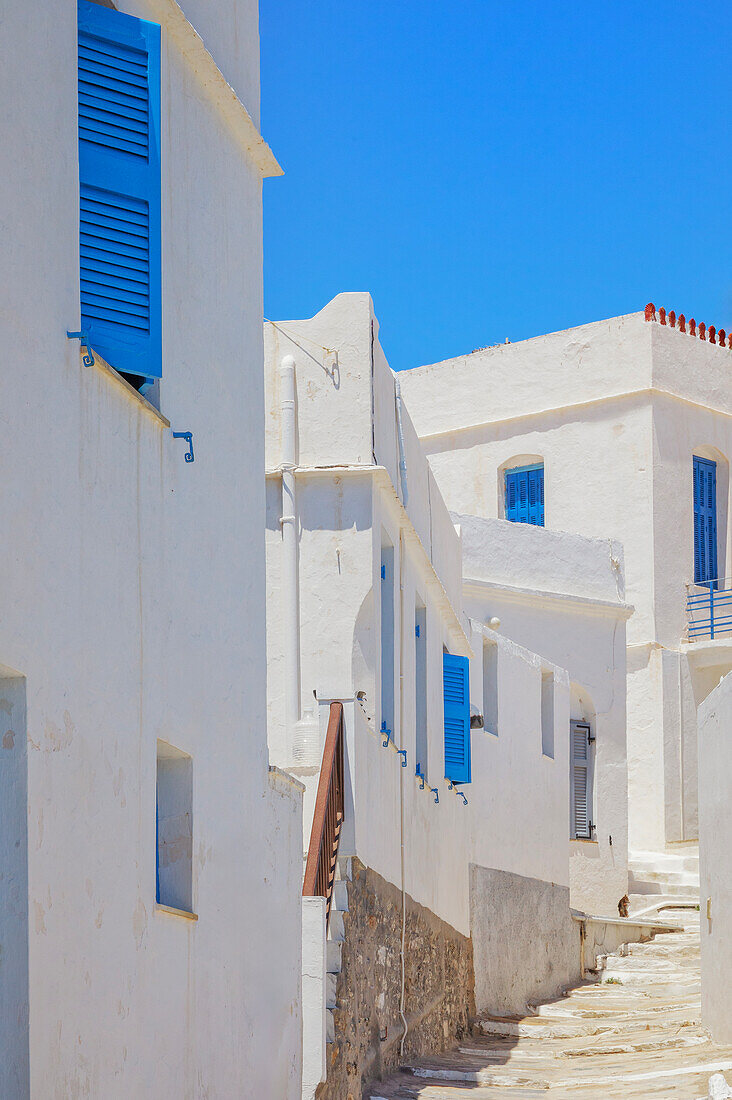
{"points": [[328, 817]]}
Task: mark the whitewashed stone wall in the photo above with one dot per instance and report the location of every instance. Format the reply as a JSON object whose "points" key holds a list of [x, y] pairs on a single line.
{"points": [[616, 410], [715, 859], [133, 608]]}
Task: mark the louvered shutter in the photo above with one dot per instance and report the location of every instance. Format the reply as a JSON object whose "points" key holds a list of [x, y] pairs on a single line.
{"points": [[525, 495], [536, 496], [119, 178], [457, 717], [512, 495], [581, 785], [705, 520]]}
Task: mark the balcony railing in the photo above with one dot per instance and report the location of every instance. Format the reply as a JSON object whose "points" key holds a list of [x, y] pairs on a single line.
{"points": [[709, 609]]}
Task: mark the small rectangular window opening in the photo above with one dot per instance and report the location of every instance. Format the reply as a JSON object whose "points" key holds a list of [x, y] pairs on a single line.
{"points": [[174, 817], [490, 686], [387, 637], [547, 714], [524, 495], [420, 687]]}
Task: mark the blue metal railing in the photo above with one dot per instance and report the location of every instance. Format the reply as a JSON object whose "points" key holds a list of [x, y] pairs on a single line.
{"points": [[709, 608]]}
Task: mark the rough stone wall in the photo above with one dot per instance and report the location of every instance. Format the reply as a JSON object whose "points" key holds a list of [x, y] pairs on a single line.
{"points": [[439, 984]]}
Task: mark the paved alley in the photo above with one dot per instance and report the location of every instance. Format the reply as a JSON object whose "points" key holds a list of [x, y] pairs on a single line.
{"points": [[635, 1031]]}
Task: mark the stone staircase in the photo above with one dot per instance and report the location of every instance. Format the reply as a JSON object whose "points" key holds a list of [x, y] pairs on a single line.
{"points": [[658, 880], [633, 1031], [334, 942]]}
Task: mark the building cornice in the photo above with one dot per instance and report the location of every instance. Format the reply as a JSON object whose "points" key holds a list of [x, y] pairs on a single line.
{"points": [[173, 19], [556, 600], [430, 439]]}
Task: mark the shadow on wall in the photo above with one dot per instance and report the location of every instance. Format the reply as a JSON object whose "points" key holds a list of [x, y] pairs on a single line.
{"points": [[14, 1040], [364, 659]]}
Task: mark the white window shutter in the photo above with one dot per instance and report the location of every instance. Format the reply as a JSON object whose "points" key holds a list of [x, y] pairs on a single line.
{"points": [[581, 780]]}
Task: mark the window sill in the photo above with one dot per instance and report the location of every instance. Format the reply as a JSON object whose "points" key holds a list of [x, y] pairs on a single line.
{"points": [[160, 908], [583, 840], [105, 368]]}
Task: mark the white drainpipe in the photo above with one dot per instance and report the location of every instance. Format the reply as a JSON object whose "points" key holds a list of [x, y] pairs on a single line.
{"points": [[288, 522]]}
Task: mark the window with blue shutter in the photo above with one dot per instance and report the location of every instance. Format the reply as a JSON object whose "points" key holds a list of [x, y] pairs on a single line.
{"points": [[581, 780], [457, 717], [119, 184], [705, 520], [525, 495]]}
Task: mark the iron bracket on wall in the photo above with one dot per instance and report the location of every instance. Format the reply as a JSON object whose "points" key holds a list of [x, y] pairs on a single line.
{"points": [[436, 793], [387, 735], [452, 787], [403, 754], [83, 338], [188, 436], [420, 777]]}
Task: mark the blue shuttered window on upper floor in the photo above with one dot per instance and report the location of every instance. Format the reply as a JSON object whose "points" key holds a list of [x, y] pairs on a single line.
{"points": [[705, 520], [525, 495], [457, 717], [119, 184]]}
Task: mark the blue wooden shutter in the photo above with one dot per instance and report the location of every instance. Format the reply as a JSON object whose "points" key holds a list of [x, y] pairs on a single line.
{"points": [[705, 520], [457, 717], [525, 495], [119, 183]]}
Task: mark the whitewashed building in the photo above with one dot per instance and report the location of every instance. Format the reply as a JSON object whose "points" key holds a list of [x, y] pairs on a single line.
{"points": [[625, 425], [151, 861], [438, 880], [715, 859], [562, 595]]}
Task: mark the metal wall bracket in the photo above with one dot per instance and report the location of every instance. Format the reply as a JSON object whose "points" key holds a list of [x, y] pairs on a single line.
{"points": [[436, 793], [452, 787], [83, 338], [420, 777], [387, 735], [403, 754], [188, 436]]}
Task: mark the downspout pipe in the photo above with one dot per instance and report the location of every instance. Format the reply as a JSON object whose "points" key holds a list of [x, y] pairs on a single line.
{"points": [[288, 523]]}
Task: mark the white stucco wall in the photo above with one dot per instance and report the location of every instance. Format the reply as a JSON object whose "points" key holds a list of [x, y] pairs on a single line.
{"points": [[715, 859], [616, 410], [562, 596], [133, 610], [350, 495]]}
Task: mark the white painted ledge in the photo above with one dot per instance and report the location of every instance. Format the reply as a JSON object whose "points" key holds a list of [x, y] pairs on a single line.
{"points": [[172, 912], [103, 366], [284, 782], [174, 21], [557, 600]]}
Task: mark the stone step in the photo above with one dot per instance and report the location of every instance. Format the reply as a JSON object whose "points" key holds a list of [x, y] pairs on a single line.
{"points": [[336, 926], [667, 879], [541, 1027], [332, 957], [653, 965], [670, 889], [340, 896], [684, 860]]}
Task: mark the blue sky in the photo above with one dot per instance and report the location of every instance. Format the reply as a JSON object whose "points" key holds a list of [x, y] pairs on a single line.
{"points": [[497, 169]]}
